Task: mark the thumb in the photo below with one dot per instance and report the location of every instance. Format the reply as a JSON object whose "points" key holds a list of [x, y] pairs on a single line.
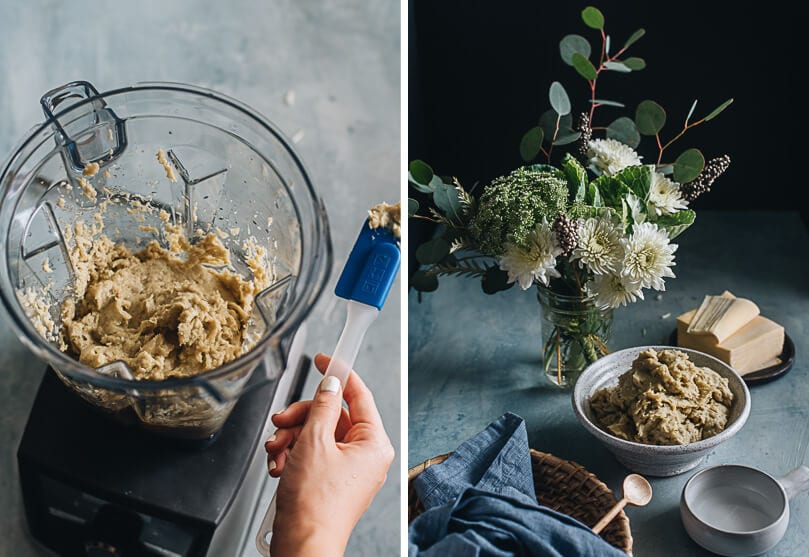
{"points": [[325, 410]]}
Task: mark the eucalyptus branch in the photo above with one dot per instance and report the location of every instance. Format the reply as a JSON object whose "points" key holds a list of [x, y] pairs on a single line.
{"points": [[663, 147], [605, 57], [603, 47], [592, 82], [555, 133], [685, 129], [660, 148]]}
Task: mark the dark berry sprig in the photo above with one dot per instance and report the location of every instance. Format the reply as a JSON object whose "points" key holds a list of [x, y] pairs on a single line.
{"points": [[702, 183], [567, 233], [583, 143]]}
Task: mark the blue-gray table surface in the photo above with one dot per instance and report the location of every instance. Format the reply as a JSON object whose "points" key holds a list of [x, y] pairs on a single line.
{"points": [[473, 357], [341, 60]]}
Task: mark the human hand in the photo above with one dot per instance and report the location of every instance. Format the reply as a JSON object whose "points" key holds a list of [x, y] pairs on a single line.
{"points": [[332, 461]]}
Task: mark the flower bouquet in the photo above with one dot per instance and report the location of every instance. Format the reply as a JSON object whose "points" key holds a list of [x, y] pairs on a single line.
{"points": [[592, 231]]}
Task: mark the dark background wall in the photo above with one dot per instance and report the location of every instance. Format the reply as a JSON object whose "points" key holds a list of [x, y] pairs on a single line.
{"points": [[480, 72]]}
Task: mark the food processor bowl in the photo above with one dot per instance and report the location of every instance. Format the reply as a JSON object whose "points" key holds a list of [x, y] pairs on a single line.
{"points": [[236, 176]]}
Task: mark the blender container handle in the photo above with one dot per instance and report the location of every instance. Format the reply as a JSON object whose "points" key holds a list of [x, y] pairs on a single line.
{"points": [[796, 481], [95, 135], [262, 538]]}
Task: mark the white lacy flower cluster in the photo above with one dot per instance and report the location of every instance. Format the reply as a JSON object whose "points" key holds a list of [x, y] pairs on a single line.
{"points": [[623, 266]]}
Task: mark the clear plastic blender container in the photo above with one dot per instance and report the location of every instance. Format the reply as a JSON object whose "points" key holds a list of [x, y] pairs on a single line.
{"points": [[236, 176]]}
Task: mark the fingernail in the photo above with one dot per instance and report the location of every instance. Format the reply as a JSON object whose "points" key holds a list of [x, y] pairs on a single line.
{"points": [[330, 384], [272, 438], [272, 466]]}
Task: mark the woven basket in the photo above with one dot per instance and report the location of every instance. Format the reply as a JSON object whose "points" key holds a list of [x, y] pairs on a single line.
{"points": [[561, 485]]}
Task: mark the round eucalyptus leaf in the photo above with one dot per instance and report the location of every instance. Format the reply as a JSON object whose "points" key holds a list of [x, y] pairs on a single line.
{"points": [[624, 130], [567, 138], [423, 282], [412, 206], [531, 144], [421, 171], [592, 17], [650, 117], [634, 63], [688, 165], [570, 45], [432, 251], [559, 99], [446, 198], [584, 67]]}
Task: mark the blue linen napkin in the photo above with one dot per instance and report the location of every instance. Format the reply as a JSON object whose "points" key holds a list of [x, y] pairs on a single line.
{"points": [[480, 502]]}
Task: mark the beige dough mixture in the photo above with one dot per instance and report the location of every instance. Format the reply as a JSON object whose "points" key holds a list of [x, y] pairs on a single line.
{"points": [[164, 313], [664, 400], [386, 216]]}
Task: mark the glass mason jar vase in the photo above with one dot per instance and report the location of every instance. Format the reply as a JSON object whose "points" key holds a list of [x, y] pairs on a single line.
{"points": [[575, 331]]}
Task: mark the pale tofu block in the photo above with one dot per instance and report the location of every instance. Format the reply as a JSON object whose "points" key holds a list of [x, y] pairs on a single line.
{"points": [[751, 348]]}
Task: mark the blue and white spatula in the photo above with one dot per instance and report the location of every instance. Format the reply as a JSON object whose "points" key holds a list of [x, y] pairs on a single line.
{"points": [[365, 282]]}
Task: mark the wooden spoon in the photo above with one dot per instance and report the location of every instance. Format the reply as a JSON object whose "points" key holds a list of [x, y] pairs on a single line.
{"points": [[637, 492]]}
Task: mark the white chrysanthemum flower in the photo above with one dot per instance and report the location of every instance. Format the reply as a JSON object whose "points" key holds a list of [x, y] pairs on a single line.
{"points": [[599, 245], [613, 291], [610, 156], [648, 257], [537, 261], [636, 208], [664, 196]]}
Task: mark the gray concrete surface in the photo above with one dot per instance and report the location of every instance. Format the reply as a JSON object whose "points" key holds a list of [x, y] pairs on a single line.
{"points": [[463, 377], [342, 61]]}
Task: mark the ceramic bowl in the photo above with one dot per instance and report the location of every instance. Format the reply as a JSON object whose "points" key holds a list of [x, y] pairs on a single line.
{"points": [[739, 511], [656, 460]]}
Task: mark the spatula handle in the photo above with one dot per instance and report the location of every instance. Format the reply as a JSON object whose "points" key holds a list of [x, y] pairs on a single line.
{"points": [[359, 318]]}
